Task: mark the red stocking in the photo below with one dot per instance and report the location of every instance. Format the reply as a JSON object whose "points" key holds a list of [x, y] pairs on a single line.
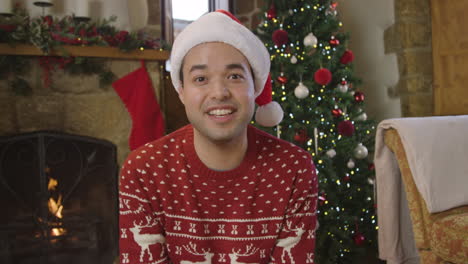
{"points": [[136, 91]]}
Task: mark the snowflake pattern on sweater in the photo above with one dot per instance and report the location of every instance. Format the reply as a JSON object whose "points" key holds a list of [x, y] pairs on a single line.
{"points": [[173, 209]]}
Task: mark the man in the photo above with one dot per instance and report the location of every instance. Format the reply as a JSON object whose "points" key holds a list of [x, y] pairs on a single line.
{"points": [[219, 190]]}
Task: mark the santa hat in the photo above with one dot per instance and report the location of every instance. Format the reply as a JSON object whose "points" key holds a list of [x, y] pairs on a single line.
{"points": [[222, 26]]}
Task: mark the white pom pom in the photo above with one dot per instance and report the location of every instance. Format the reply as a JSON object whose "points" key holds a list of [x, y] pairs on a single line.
{"points": [[301, 91], [269, 115], [310, 40]]}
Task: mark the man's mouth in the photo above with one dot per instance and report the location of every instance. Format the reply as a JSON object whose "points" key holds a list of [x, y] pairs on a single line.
{"points": [[220, 112]]}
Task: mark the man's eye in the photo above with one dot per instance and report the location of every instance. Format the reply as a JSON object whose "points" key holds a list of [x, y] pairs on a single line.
{"points": [[235, 76], [200, 79]]}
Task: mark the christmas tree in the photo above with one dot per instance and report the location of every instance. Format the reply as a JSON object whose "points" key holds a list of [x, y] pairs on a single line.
{"points": [[313, 80]]}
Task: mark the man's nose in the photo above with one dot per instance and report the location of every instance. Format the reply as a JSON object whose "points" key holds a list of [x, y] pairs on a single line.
{"points": [[220, 90]]}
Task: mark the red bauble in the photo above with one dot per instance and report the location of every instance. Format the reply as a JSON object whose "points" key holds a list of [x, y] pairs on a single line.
{"points": [[346, 178], [282, 79], [359, 96], [346, 128], [334, 42], [359, 239], [301, 136], [371, 167], [323, 76], [347, 57], [280, 37], [271, 13], [337, 112]]}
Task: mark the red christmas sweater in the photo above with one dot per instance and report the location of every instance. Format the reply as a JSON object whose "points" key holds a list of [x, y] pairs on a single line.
{"points": [[174, 209]]}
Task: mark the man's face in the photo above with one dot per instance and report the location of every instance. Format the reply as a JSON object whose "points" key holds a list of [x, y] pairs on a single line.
{"points": [[218, 91]]}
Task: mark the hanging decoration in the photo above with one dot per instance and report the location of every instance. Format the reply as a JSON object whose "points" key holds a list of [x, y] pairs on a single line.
{"points": [[323, 76], [280, 37], [271, 13], [346, 128], [301, 91], [337, 112], [310, 40], [301, 136], [293, 59], [334, 41], [343, 86], [360, 152], [359, 97], [347, 57]]}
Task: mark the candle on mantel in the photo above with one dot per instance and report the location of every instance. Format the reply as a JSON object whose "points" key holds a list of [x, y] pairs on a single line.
{"points": [[82, 8], [5, 7]]}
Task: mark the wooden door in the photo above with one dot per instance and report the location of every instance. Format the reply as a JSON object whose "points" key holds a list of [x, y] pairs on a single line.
{"points": [[450, 56]]}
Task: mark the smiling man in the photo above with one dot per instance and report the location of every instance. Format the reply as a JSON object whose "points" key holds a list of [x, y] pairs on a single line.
{"points": [[219, 190]]}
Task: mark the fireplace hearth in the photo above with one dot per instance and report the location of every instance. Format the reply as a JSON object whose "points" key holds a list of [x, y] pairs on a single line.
{"points": [[58, 199]]}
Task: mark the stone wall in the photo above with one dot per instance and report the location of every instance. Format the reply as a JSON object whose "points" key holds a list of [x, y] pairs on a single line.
{"points": [[73, 104], [411, 38]]}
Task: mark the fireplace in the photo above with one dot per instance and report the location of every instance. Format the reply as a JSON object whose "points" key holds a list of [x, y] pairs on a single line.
{"points": [[58, 199]]}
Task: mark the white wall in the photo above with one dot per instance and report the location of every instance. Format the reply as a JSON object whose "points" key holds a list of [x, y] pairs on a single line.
{"points": [[366, 21], [131, 14]]}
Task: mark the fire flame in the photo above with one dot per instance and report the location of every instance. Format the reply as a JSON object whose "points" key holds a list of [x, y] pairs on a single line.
{"points": [[55, 206]]}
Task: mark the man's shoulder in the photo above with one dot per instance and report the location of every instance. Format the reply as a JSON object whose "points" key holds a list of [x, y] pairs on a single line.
{"points": [[163, 144], [270, 143]]}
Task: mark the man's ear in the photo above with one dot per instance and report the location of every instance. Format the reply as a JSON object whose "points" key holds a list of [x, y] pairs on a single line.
{"points": [[180, 92]]}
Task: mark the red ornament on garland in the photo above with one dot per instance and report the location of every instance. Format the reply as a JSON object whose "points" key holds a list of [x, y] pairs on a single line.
{"points": [[271, 13], [323, 76], [280, 37], [359, 238], [359, 97], [346, 128], [337, 112], [347, 57], [282, 79]]}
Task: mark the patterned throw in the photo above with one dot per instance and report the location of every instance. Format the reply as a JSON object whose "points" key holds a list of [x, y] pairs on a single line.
{"points": [[173, 209]]}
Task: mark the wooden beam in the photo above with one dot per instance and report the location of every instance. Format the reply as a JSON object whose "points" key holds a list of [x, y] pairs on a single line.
{"points": [[85, 51]]}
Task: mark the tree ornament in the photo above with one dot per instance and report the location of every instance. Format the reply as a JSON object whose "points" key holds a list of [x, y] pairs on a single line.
{"points": [[290, 11], [310, 40], [323, 76], [346, 178], [346, 128], [293, 59], [359, 97], [332, 9], [271, 13], [361, 117], [370, 181], [301, 136], [322, 198], [347, 57], [301, 91], [371, 167], [334, 42], [350, 164], [359, 238], [280, 37], [360, 152], [343, 86], [337, 112], [331, 153], [282, 79]]}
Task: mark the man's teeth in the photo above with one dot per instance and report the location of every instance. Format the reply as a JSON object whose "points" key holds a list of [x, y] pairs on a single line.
{"points": [[220, 112]]}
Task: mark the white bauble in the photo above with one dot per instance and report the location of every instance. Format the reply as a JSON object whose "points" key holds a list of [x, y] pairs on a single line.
{"points": [[331, 153], [362, 117], [301, 91], [290, 11], [351, 164], [310, 40], [293, 59], [360, 152], [342, 87]]}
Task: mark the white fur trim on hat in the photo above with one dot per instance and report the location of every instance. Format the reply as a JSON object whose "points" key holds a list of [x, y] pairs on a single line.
{"points": [[219, 27]]}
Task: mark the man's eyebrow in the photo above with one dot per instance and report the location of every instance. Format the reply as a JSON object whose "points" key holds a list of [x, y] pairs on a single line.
{"points": [[235, 66], [197, 67]]}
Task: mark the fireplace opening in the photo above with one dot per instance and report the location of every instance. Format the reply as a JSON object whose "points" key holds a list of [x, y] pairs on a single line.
{"points": [[58, 199]]}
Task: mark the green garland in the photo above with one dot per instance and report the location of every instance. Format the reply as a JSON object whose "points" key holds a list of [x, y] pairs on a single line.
{"points": [[50, 33]]}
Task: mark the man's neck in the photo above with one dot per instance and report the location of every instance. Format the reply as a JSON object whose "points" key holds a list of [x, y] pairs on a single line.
{"points": [[221, 156]]}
